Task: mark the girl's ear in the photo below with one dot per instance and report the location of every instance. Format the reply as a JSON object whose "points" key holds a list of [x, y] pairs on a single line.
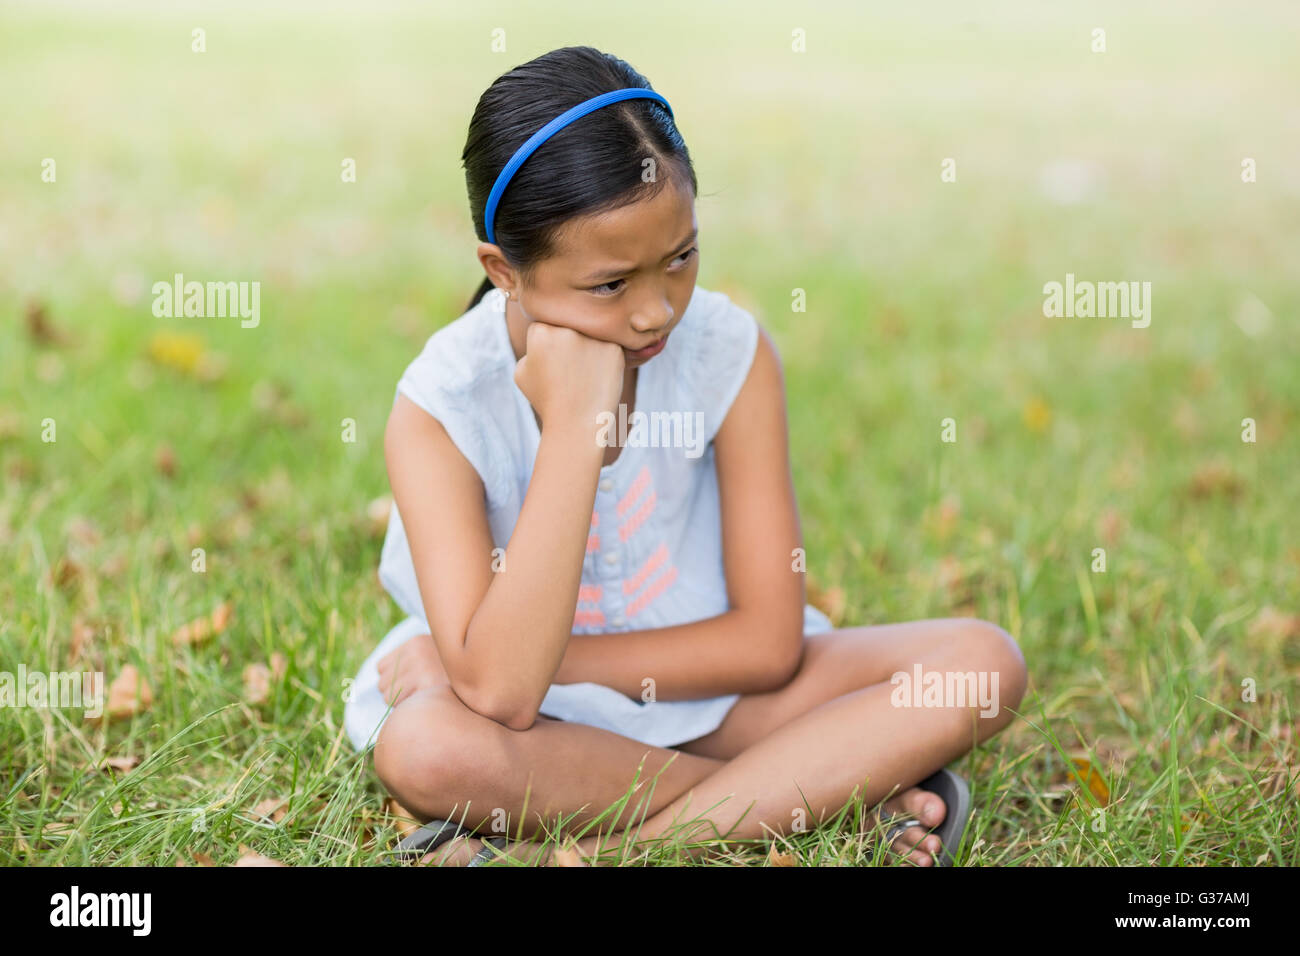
{"points": [[499, 272]]}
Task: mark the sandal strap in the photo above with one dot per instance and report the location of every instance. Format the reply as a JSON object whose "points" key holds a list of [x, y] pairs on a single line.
{"points": [[429, 837], [898, 828], [492, 848]]}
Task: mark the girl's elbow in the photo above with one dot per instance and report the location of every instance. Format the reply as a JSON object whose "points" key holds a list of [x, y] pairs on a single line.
{"points": [[500, 705]]}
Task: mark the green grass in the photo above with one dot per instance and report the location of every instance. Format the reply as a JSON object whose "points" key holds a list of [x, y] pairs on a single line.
{"points": [[818, 171]]}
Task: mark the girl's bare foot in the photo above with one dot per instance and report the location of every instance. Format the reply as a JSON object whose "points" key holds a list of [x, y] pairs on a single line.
{"points": [[921, 847], [928, 807]]}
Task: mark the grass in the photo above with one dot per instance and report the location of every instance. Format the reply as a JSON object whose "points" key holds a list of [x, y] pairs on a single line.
{"points": [[819, 171]]}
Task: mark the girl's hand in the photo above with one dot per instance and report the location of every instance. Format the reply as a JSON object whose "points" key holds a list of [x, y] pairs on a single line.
{"points": [[412, 666], [570, 376]]}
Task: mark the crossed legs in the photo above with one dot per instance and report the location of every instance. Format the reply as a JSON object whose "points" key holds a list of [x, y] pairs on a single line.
{"points": [[789, 756]]}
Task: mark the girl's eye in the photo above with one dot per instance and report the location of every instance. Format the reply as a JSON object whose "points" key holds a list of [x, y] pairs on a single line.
{"points": [[605, 285], [597, 290], [688, 253]]}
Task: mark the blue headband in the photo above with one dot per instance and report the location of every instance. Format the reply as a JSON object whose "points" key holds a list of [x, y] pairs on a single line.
{"points": [[561, 121]]}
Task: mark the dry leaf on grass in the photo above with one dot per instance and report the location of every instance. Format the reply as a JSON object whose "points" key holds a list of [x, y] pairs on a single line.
{"points": [[164, 460], [776, 858], [122, 764], [81, 635], [271, 808], [1215, 478], [1110, 527], [39, 327], [1275, 624], [252, 858], [566, 856], [257, 683], [402, 817], [202, 629], [128, 694], [1088, 775]]}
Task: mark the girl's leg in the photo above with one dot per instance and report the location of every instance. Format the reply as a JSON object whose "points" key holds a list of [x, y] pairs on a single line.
{"points": [[440, 759], [834, 724], [813, 729]]}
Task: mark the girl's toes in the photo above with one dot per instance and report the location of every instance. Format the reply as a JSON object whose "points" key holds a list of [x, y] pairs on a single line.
{"points": [[457, 851], [915, 842], [925, 851]]}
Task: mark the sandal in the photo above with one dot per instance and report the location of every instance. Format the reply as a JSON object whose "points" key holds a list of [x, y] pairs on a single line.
{"points": [[953, 790], [437, 832]]}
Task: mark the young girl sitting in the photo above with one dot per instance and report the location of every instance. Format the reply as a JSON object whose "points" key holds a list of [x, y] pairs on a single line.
{"points": [[596, 538]]}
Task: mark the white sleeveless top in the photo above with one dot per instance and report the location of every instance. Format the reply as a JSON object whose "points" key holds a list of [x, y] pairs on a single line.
{"points": [[654, 547]]}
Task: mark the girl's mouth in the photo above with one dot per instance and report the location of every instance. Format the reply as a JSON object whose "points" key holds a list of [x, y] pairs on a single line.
{"points": [[649, 352]]}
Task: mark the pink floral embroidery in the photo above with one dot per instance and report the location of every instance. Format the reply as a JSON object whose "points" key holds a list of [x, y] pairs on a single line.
{"points": [[653, 591], [634, 492], [629, 526], [647, 569], [588, 618]]}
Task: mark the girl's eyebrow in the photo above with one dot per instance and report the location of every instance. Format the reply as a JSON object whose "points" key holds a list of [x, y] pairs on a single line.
{"points": [[616, 272]]}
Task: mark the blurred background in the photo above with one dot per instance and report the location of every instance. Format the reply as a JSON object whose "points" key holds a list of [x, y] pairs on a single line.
{"points": [[820, 169]]}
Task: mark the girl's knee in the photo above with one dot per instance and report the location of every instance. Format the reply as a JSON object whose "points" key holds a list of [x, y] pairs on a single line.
{"points": [[429, 747], [991, 650]]}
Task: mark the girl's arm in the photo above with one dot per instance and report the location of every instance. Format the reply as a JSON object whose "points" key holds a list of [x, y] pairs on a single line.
{"points": [[757, 645], [500, 636]]}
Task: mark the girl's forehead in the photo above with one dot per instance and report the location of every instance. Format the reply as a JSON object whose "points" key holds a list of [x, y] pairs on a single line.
{"points": [[641, 232]]}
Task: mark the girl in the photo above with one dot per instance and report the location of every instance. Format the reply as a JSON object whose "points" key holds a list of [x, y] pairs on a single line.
{"points": [[591, 607]]}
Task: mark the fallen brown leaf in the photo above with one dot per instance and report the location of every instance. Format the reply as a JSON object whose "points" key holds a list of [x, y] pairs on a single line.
{"points": [[202, 629], [257, 683], [567, 856], [164, 460], [252, 858], [271, 808], [128, 694], [1275, 624], [402, 817], [777, 858], [40, 328], [81, 636], [1091, 778], [1215, 478], [122, 764]]}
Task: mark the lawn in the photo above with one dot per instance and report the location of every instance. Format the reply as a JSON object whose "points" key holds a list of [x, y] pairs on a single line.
{"points": [[158, 472]]}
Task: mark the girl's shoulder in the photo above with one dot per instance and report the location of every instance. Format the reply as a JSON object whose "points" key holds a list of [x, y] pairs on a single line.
{"points": [[714, 355], [462, 377], [462, 363]]}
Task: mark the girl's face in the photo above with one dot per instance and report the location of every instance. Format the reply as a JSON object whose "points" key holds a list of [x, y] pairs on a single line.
{"points": [[624, 276]]}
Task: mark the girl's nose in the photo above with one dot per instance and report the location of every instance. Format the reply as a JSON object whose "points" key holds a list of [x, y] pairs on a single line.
{"points": [[652, 321]]}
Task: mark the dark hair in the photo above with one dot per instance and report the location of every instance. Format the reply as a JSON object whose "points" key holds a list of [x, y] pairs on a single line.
{"points": [[591, 166]]}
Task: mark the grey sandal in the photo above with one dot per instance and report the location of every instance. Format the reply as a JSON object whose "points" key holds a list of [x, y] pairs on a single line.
{"points": [[953, 790], [437, 832]]}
